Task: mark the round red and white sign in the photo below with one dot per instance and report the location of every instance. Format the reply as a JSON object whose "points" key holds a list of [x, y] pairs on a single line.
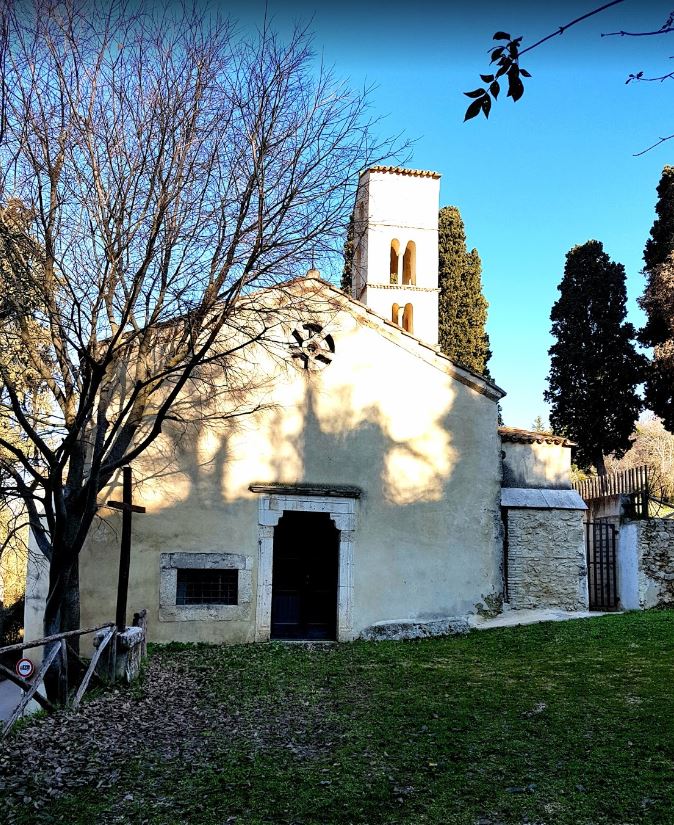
{"points": [[25, 668]]}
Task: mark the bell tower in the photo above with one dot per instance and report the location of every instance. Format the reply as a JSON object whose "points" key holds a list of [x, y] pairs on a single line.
{"points": [[395, 265]]}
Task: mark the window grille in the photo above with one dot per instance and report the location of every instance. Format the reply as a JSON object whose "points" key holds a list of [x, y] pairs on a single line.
{"points": [[207, 587]]}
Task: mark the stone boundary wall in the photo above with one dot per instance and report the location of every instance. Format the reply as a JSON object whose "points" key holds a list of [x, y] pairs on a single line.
{"points": [[546, 559], [646, 564]]}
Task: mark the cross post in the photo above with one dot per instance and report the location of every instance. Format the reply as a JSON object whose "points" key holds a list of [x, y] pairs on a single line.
{"points": [[127, 507]]}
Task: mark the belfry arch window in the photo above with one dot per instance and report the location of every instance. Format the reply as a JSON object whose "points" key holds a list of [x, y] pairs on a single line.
{"points": [[395, 256], [395, 314], [408, 319], [410, 264]]}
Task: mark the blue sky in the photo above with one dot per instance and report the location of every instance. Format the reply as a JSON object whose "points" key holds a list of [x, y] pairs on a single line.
{"points": [[542, 175]]}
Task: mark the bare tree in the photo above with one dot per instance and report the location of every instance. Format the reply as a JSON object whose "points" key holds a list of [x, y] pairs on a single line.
{"points": [[653, 445], [168, 167]]}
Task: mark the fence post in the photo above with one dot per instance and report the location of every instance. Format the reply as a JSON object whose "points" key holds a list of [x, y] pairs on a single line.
{"points": [[140, 620], [143, 624], [63, 678], [56, 646], [112, 657]]}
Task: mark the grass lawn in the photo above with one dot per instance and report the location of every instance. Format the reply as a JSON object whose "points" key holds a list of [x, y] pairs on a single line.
{"points": [[569, 722]]}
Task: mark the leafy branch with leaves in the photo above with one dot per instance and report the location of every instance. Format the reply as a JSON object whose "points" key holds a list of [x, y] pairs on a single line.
{"points": [[505, 56], [507, 59]]}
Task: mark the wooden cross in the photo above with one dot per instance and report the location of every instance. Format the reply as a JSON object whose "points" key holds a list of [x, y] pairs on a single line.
{"points": [[127, 507]]}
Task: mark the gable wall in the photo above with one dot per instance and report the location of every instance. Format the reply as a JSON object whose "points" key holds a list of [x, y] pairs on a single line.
{"points": [[538, 466]]}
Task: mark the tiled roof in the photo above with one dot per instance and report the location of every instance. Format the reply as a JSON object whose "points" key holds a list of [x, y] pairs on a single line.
{"points": [[400, 170], [532, 437]]}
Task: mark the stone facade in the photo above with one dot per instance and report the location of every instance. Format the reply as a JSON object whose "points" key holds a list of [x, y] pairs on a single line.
{"points": [[271, 508], [646, 564], [546, 559], [170, 563]]}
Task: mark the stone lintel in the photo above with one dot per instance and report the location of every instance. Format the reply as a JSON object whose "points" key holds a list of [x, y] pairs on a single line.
{"points": [[329, 490], [203, 561]]}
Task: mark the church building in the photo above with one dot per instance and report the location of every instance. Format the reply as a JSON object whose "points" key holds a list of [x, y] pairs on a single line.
{"points": [[362, 486]]}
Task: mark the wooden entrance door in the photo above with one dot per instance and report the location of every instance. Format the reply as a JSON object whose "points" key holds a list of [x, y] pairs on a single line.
{"points": [[304, 578]]}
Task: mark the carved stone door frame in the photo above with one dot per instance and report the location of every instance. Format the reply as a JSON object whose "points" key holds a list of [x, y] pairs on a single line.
{"points": [[342, 511]]}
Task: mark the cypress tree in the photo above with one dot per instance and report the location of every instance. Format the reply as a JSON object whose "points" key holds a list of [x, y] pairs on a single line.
{"points": [[594, 367], [348, 253], [462, 306], [661, 243], [658, 303]]}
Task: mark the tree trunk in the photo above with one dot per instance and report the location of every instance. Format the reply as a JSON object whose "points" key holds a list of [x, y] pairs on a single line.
{"points": [[62, 610], [601, 471], [599, 464], [59, 579], [52, 678], [70, 611]]}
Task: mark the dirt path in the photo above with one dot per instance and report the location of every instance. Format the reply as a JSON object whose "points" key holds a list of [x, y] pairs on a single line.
{"points": [[10, 695]]}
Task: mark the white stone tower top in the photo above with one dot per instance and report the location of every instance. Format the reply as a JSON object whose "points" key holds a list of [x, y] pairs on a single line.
{"points": [[395, 268]]}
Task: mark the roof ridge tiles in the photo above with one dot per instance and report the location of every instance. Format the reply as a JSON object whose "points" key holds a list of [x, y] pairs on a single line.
{"points": [[401, 170]]}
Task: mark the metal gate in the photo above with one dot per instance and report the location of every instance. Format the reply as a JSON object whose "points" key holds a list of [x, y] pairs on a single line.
{"points": [[601, 565]]}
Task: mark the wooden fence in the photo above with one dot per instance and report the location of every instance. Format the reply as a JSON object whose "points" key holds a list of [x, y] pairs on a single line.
{"points": [[632, 483], [57, 645]]}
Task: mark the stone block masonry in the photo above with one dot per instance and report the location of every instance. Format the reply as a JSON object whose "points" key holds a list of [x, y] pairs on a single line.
{"points": [[128, 657], [646, 563], [410, 629], [546, 559]]}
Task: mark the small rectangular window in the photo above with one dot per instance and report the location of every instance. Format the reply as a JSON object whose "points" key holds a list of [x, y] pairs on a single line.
{"points": [[197, 586]]}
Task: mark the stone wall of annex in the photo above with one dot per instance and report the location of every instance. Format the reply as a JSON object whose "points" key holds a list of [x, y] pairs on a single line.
{"points": [[546, 559], [646, 564]]}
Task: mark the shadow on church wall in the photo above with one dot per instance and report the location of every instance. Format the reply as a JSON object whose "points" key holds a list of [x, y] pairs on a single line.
{"points": [[423, 449]]}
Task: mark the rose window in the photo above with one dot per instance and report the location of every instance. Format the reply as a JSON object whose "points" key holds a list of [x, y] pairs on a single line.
{"points": [[312, 348]]}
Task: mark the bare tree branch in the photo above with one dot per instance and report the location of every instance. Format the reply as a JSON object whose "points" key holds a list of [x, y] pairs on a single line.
{"points": [[166, 169], [563, 28], [657, 143]]}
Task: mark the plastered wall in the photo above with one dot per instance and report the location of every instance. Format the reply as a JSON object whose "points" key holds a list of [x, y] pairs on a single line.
{"points": [[543, 466], [385, 416]]}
